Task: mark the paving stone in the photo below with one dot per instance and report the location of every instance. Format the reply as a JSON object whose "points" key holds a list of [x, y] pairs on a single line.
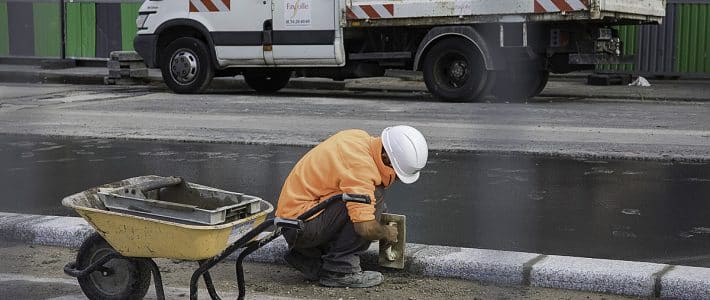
{"points": [[596, 275], [686, 283], [502, 267], [125, 56], [132, 73], [45, 230], [115, 65]]}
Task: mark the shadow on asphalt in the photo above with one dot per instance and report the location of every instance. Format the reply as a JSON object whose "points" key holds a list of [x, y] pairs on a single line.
{"points": [[369, 95], [350, 94]]}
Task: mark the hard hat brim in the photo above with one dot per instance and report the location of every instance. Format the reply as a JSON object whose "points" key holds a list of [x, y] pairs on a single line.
{"points": [[407, 179]]}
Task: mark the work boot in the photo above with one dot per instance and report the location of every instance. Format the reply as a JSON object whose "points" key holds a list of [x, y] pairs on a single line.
{"points": [[309, 267], [364, 279]]}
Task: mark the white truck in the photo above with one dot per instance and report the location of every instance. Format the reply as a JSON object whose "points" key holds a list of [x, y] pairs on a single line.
{"points": [[466, 49]]}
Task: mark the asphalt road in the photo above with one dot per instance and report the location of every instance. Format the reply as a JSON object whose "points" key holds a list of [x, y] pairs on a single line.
{"points": [[562, 126], [613, 209], [553, 126]]}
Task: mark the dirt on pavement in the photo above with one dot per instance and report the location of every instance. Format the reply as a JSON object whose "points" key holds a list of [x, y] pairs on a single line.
{"points": [[32, 261]]}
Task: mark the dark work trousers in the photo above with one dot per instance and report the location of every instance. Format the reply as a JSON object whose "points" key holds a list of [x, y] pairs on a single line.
{"points": [[329, 241]]}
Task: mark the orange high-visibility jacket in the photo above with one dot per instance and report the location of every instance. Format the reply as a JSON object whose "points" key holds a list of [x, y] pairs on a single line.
{"points": [[348, 162]]}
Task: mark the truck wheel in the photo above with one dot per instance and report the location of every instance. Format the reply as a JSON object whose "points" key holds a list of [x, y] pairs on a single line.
{"points": [[541, 84], [454, 71], [123, 278], [520, 84], [186, 65], [267, 80]]}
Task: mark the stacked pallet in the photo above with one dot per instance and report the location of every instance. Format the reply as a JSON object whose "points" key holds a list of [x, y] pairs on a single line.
{"points": [[125, 67]]}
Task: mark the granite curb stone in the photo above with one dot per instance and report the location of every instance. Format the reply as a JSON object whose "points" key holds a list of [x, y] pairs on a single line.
{"points": [[45, 230], [472, 264], [686, 283], [597, 275]]}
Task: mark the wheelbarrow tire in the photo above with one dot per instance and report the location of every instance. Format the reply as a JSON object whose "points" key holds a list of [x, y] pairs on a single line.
{"points": [[126, 279]]}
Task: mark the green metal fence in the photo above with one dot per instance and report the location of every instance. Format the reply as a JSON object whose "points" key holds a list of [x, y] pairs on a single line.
{"points": [[92, 28], [30, 28], [95, 28], [48, 29], [80, 30], [678, 47], [692, 38], [4, 38]]}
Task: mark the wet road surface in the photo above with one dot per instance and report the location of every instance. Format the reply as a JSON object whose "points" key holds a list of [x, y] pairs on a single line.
{"points": [[631, 210]]}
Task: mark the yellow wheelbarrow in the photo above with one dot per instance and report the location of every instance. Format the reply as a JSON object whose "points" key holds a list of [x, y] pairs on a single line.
{"points": [[148, 217]]}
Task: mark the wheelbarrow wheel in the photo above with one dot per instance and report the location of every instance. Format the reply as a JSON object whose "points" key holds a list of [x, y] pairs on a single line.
{"points": [[122, 278]]}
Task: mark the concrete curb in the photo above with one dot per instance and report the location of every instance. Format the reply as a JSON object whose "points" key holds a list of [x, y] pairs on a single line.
{"points": [[490, 266], [401, 82], [49, 76]]}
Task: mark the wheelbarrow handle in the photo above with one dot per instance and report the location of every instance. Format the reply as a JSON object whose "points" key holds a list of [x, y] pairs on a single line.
{"points": [[357, 198]]}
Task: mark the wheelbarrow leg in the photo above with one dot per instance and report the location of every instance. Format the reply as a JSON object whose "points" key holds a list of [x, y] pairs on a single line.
{"points": [[208, 282], [251, 247], [205, 265], [157, 278], [240, 270]]}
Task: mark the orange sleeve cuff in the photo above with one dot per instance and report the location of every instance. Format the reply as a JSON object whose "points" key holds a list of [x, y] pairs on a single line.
{"points": [[359, 212]]}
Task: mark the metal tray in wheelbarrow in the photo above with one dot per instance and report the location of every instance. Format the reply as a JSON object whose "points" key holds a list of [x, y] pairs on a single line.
{"points": [[181, 202]]}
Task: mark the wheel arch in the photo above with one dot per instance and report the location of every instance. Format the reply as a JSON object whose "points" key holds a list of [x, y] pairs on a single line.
{"points": [[437, 34], [173, 29]]}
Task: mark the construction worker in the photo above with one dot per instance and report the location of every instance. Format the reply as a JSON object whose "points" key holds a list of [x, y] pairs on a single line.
{"points": [[351, 161]]}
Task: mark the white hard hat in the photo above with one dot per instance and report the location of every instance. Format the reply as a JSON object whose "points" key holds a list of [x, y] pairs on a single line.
{"points": [[407, 150]]}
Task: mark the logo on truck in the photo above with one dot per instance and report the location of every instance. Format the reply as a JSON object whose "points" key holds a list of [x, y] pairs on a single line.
{"points": [[209, 5], [297, 13]]}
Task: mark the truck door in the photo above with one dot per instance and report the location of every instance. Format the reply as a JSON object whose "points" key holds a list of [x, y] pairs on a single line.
{"points": [[236, 27], [307, 32]]}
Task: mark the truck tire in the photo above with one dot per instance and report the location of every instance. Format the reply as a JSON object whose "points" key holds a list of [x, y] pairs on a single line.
{"points": [[267, 80], [455, 71], [125, 278], [520, 83], [186, 65]]}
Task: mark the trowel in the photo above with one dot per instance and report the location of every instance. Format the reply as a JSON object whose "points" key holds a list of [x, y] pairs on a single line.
{"points": [[392, 254]]}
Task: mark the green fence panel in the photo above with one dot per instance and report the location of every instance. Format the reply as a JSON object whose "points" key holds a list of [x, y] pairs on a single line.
{"points": [[81, 29], [73, 29], [48, 35], [628, 35], [129, 13], [4, 34], [88, 29], [693, 38]]}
